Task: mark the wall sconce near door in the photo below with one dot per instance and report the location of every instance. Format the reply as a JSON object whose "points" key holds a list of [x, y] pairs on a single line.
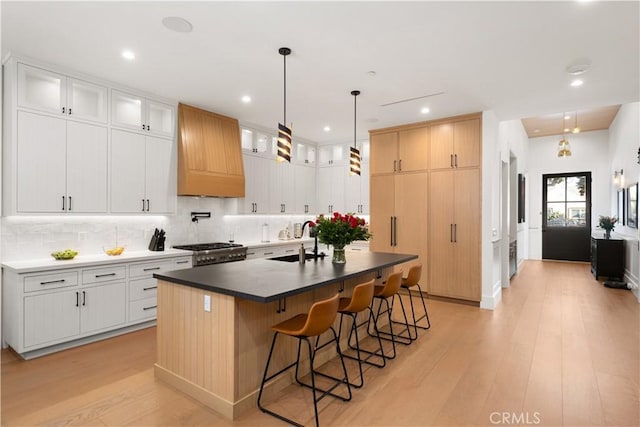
{"points": [[618, 178], [284, 133], [354, 153]]}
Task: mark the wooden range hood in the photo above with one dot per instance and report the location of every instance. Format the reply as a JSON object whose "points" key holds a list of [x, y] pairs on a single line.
{"points": [[209, 154]]}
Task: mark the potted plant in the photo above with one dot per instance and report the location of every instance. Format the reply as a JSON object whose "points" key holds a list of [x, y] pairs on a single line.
{"points": [[340, 230], [607, 223]]}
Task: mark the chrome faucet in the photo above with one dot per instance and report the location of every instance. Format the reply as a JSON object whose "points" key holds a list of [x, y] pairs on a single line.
{"points": [[313, 234]]}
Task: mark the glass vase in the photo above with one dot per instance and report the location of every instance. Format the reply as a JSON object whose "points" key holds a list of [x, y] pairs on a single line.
{"points": [[607, 234], [339, 256]]}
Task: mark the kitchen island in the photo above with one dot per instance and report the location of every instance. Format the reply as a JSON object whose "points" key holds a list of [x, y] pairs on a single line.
{"points": [[214, 321]]}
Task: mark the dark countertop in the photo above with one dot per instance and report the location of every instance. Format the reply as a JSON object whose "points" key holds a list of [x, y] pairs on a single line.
{"points": [[265, 280]]}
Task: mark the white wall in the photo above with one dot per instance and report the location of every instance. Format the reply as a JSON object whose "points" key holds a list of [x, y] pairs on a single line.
{"points": [[624, 137], [491, 213], [590, 154], [516, 142]]}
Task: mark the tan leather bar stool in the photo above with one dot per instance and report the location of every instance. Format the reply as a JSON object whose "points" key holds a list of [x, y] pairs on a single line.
{"points": [[384, 294], [360, 301], [303, 326], [412, 280]]}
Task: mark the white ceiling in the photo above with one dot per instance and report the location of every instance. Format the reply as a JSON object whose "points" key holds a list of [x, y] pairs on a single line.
{"points": [[509, 57]]}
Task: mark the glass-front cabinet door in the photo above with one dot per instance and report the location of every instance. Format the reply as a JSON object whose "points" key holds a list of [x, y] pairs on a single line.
{"points": [[87, 101], [160, 118], [127, 110], [41, 89]]}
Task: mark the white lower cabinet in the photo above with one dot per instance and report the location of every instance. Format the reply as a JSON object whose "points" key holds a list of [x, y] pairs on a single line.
{"points": [[46, 311]]}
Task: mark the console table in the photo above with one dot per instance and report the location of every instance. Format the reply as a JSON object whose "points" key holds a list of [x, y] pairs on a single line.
{"points": [[607, 258]]}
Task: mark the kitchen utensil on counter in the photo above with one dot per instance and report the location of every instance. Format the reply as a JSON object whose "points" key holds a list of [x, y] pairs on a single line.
{"points": [[297, 230], [157, 241], [284, 234]]}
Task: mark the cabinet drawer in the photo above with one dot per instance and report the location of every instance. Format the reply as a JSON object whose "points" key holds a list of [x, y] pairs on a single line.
{"points": [[148, 269], [180, 263], [143, 309], [106, 274], [142, 289], [50, 281]]}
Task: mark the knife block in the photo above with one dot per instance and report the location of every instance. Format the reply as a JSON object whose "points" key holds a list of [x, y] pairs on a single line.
{"points": [[156, 244]]}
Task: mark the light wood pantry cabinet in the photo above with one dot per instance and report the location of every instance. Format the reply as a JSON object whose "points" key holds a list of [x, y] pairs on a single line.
{"points": [[456, 144], [135, 112], [438, 215], [46, 310], [399, 151], [398, 214], [142, 173], [455, 234], [209, 154], [61, 165], [55, 93]]}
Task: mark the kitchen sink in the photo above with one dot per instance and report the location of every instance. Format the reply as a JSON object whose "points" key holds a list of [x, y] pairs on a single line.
{"points": [[294, 258]]}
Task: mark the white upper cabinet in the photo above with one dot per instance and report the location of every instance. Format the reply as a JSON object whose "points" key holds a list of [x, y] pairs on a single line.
{"points": [[144, 115], [305, 185], [357, 191], [142, 177], [304, 153], [62, 165], [281, 187], [55, 93], [333, 155], [258, 143]]}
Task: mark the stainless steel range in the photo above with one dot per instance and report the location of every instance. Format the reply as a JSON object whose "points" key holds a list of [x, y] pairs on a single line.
{"points": [[215, 253]]}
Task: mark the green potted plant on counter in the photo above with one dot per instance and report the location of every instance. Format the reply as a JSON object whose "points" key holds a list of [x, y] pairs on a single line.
{"points": [[607, 223], [339, 231]]}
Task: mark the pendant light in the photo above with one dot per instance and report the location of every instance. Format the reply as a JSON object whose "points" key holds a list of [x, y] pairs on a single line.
{"points": [[564, 149], [354, 153], [284, 133], [576, 129]]}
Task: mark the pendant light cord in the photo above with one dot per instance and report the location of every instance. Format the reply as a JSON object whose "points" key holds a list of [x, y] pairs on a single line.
{"points": [[284, 57], [355, 94]]}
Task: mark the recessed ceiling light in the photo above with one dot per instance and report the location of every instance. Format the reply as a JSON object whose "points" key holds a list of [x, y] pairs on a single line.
{"points": [[536, 131], [576, 130], [579, 66], [127, 54], [246, 99], [175, 23], [371, 73], [576, 83], [567, 117], [326, 128], [567, 129], [425, 110]]}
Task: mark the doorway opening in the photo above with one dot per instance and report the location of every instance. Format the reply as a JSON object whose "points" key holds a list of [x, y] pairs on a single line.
{"points": [[566, 221]]}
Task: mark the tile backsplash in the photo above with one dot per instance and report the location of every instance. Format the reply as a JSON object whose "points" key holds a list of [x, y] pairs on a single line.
{"points": [[31, 237]]}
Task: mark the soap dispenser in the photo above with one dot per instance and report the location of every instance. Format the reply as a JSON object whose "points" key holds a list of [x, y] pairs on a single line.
{"points": [[301, 254]]}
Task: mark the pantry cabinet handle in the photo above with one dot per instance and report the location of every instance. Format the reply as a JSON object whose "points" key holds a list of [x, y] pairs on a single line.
{"points": [[455, 233], [84, 298], [64, 204], [394, 165], [149, 288], [105, 275], [149, 308], [148, 205], [451, 233], [395, 231], [391, 238], [142, 205], [455, 160], [400, 165], [151, 268], [451, 160], [77, 299], [52, 281], [69, 202]]}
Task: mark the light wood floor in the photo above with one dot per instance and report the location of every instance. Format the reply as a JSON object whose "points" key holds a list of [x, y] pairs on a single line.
{"points": [[560, 350]]}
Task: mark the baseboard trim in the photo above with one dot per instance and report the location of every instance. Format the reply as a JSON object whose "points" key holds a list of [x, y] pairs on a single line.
{"points": [[491, 302]]}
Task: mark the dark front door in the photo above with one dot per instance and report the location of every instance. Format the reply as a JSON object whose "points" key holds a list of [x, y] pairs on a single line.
{"points": [[566, 222]]}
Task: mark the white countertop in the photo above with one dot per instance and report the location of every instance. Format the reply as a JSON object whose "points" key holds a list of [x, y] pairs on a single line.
{"points": [[32, 265]]}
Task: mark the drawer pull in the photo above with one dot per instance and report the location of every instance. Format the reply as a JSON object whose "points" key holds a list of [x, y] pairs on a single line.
{"points": [[289, 250], [268, 253], [53, 281], [182, 262], [151, 269], [105, 275], [150, 308], [149, 288]]}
